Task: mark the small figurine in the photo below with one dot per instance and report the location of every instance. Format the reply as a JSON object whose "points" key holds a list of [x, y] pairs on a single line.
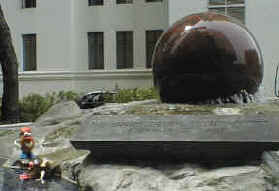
{"points": [[26, 143]]}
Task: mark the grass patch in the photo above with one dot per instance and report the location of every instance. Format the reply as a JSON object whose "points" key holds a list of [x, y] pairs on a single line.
{"points": [[7, 132], [137, 94], [171, 109], [64, 132]]}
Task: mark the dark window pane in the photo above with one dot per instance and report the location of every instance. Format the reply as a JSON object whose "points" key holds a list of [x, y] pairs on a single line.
{"points": [[218, 10], [150, 1], [237, 12], [217, 2], [124, 49], [124, 1], [95, 2], [28, 3], [29, 52], [96, 50], [151, 40], [231, 2]]}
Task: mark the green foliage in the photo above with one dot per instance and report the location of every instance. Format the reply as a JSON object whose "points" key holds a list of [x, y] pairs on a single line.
{"points": [[34, 105], [109, 98], [67, 96], [137, 94], [7, 133]]}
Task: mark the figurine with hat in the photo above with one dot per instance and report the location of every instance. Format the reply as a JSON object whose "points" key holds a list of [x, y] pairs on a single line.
{"points": [[26, 143]]}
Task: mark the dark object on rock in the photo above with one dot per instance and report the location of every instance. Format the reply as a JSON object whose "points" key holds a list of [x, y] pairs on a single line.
{"points": [[93, 99], [37, 168], [179, 137], [206, 56]]}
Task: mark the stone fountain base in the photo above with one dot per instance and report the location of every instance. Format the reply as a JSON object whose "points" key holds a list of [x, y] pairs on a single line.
{"points": [[179, 137]]}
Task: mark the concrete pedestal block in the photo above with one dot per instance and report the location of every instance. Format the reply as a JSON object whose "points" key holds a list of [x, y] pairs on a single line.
{"points": [[178, 137]]}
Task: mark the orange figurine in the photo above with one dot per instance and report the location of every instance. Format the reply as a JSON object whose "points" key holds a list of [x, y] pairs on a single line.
{"points": [[26, 143]]}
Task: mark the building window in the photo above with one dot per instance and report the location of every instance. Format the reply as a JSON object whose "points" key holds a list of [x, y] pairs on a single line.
{"points": [[95, 50], [124, 1], [95, 2], [234, 8], [124, 49], [151, 40], [28, 4], [29, 52], [151, 1]]}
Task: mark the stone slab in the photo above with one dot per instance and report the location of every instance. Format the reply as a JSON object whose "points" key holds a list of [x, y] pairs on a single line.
{"points": [[192, 137]]}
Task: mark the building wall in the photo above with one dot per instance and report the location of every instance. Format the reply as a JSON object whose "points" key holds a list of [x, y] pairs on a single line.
{"points": [[112, 17], [86, 81], [262, 20], [50, 21], [62, 46], [182, 8]]}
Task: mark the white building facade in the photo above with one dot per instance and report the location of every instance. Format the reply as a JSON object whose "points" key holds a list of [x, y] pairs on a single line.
{"points": [[86, 45]]}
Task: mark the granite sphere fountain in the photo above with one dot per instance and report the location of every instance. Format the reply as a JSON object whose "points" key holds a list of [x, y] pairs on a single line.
{"points": [[206, 56], [201, 57]]}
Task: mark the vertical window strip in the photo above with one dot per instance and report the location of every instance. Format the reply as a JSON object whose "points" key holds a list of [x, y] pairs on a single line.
{"points": [[124, 50], [95, 50], [151, 40], [152, 1], [95, 2], [28, 4], [124, 1], [29, 52], [234, 8]]}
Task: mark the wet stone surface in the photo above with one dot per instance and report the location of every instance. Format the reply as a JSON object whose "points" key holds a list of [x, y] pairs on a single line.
{"points": [[9, 182]]}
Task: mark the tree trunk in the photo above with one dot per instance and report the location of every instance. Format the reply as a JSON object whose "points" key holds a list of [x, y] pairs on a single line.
{"points": [[8, 60]]}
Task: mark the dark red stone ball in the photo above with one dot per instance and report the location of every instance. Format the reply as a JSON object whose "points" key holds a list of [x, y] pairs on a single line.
{"points": [[206, 56]]}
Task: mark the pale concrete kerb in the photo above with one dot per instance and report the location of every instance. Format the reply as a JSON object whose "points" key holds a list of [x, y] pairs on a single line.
{"points": [[16, 125]]}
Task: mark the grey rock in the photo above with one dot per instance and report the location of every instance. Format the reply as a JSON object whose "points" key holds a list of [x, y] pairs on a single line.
{"points": [[183, 137], [109, 177], [54, 129], [59, 112]]}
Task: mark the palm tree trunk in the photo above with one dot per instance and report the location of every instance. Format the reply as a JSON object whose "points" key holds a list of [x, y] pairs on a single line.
{"points": [[8, 60]]}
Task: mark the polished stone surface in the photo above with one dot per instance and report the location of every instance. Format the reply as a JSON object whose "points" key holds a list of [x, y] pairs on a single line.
{"points": [[179, 137], [206, 56], [10, 182]]}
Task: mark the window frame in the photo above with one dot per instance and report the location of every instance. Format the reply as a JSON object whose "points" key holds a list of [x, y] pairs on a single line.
{"points": [[226, 6], [127, 46], [91, 3], [118, 2], [32, 2], [91, 63], [153, 1], [26, 67], [151, 43]]}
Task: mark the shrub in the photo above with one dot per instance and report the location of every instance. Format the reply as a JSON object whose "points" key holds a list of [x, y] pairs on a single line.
{"points": [[67, 96], [34, 105]]}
